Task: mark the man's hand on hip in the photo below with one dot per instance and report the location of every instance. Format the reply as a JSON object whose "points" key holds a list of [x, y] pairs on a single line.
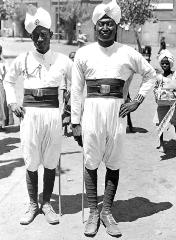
{"points": [[128, 107], [17, 109]]}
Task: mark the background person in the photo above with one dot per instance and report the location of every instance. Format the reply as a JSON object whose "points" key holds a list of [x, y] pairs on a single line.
{"points": [[162, 44], [6, 116], [163, 89]]}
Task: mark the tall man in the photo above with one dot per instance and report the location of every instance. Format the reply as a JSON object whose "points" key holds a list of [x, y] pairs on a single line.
{"points": [[44, 74], [105, 66]]}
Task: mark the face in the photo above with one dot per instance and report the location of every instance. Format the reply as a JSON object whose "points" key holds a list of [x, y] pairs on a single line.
{"points": [[41, 37], [106, 29], [165, 64], [72, 56]]}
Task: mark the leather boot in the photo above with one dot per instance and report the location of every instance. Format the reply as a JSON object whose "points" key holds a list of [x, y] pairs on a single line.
{"points": [[93, 221], [92, 224], [32, 187], [48, 184], [50, 214], [110, 224], [111, 182], [30, 214]]}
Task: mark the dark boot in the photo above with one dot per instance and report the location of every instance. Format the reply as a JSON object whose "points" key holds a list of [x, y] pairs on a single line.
{"points": [[93, 221], [111, 182], [48, 185], [32, 187]]}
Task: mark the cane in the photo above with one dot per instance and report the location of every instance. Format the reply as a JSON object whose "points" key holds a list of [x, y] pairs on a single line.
{"points": [[59, 171], [83, 191]]}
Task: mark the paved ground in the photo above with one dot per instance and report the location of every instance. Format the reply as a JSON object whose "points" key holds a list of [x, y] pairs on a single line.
{"points": [[145, 203]]}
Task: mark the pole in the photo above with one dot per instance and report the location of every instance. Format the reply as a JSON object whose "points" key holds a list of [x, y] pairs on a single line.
{"points": [[59, 171], [83, 191]]}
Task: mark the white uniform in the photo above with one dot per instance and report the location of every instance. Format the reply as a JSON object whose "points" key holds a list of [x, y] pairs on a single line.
{"points": [[40, 130], [102, 129]]}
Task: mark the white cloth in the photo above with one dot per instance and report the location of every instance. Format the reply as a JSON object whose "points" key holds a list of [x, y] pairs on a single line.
{"points": [[103, 131], [166, 53], [43, 70], [41, 137], [37, 17], [41, 127], [111, 9]]}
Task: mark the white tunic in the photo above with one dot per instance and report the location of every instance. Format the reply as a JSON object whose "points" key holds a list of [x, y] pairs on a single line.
{"points": [[41, 128], [102, 128]]}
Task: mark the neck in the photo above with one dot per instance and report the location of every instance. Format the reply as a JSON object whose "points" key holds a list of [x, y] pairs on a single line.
{"points": [[167, 73], [42, 51], [105, 44]]}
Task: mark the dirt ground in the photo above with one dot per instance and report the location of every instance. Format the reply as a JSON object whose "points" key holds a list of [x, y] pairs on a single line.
{"points": [[145, 203]]}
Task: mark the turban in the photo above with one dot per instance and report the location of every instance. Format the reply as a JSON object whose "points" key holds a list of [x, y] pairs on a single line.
{"points": [[35, 17], [165, 53], [111, 9]]}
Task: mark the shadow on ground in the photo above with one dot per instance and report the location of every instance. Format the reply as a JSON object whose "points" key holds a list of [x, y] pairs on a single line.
{"points": [[169, 150], [6, 144], [71, 204], [12, 129], [136, 130], [7, 169], [123, 210], [138, 207]]}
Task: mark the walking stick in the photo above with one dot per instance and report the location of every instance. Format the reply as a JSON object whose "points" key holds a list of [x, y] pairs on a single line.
{"points": [[59, 171], [83, 192]]}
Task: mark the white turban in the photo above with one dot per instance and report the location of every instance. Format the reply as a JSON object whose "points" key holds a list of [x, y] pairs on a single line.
{"points": [[111, 9], [35, 17], [165, 53]]}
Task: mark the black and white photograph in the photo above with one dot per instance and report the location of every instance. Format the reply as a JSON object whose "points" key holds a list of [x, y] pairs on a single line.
{"points": [[87, 119]]}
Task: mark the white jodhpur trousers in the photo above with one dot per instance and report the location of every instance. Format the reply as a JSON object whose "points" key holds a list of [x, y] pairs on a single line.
{"points": [[41, 137], [103, 132]]}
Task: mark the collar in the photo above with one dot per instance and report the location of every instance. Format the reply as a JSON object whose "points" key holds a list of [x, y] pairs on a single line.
{"points": [[108, 49], [45, 56]]}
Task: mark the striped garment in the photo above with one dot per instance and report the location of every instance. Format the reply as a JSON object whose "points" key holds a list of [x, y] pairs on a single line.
{"points": [[166, 120]]}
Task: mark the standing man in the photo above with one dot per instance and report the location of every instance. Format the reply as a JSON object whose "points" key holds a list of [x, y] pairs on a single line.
{"points": [[44, 74], [162, 44], [105, 66]]}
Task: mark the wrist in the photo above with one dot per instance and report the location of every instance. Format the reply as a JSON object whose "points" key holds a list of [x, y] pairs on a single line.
{"points": [[75, 125], [139, 99]]}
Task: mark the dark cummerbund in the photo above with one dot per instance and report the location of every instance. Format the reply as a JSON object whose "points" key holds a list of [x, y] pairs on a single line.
{"points": [[41, 97], [105, 87]]}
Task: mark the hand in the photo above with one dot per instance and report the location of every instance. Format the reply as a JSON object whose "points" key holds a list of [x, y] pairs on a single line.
{"points": [[76, 129], [18, 110], [77, 133], [128, 107]]}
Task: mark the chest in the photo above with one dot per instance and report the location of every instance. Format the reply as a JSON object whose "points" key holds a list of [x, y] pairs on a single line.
{"points": [[46, 69]]}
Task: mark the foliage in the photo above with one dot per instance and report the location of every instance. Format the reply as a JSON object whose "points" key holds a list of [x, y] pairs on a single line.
{"points": [[72, 12], [13, 10], [7, 9], [136, 13]]}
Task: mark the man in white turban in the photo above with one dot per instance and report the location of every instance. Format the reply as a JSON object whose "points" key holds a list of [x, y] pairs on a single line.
{"points": [[45, 74], [106, 68]]}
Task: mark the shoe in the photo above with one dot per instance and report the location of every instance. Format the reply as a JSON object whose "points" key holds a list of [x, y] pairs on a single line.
{"points": [[50, 214], [110, 224], [30, 214], [92, 224]]}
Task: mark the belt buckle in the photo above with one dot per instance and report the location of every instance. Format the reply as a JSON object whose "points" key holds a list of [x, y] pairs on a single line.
{"points": [[104, 89], [39, 92]]}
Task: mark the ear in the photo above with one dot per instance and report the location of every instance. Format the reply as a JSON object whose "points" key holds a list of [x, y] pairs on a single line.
{"points": [[51, 34], [31, 36]]}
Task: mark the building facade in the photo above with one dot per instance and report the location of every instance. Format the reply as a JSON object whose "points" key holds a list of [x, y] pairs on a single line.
{"points": [[150, 34]]}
